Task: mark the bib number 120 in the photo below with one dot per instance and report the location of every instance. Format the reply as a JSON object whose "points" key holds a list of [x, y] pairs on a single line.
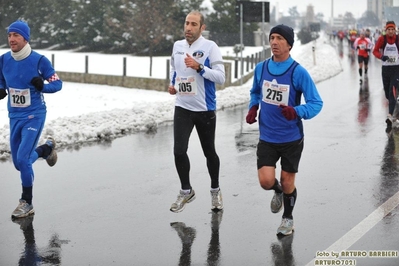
{"points": [[18, 99]]}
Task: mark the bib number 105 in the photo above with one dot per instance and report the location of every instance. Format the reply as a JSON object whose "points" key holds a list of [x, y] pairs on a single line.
{"points": [[185, 87]]}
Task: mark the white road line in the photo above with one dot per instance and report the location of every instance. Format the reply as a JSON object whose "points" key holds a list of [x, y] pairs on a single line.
{"points": [[363, 227]]}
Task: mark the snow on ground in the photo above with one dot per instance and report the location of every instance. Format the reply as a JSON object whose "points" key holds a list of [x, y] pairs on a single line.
{"points": [[87, 113]]}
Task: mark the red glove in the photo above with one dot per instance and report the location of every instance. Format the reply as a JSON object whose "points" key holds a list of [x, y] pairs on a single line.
{"points": [[252, 113], [288, 112]]}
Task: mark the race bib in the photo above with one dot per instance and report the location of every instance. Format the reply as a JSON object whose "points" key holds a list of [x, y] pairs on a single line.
{"points": [[274, 93], [186, 85], [19, 97], [392, 59]]}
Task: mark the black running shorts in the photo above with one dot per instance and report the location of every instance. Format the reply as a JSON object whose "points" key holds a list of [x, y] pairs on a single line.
{"points": [[290, 154]]}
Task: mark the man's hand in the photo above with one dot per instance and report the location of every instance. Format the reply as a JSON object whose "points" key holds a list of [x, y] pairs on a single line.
{"points": [[172, 90], [190, 62], [38, 83], [288, 112], [384, 58], [252, 113]]}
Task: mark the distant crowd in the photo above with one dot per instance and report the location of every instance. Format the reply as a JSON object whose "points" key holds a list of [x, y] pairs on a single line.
{"points": [[350, 35]]}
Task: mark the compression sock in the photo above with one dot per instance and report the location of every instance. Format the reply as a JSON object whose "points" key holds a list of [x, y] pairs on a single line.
{"points": [[215, 189], [277, 187], [43, 150], [186, 191], [27, 194], [365, 70], [360, 71], [289, 203]]}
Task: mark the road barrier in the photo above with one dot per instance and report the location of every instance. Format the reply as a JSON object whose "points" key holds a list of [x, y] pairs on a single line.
{"points": [[232, 69]]}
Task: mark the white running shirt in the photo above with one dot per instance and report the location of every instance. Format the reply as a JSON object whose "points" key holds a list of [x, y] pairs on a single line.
{"points": [[197, 91]]}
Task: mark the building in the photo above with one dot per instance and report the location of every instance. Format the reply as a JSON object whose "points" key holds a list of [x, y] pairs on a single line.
{"points": [[384, 9], [337, 23]]}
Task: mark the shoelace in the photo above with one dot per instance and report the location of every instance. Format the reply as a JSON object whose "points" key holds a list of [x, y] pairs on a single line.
{"points": [[181, 196], [285, 222]]}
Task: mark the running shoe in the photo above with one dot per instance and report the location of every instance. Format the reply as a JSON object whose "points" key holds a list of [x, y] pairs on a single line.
{"points": [[277, 202], [217, 200], [286, 227], [23, 209], [181, 201], [52, 158]]}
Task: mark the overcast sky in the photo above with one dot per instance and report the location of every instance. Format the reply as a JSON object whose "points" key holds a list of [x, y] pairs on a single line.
{"points": [[320, 6], [323, 6]]}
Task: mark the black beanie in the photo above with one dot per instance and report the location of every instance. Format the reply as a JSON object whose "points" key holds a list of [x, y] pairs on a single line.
{"points": [[285, 31]]}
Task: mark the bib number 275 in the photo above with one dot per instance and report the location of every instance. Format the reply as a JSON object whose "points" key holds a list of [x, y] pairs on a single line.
{"points": [[274, 95]]}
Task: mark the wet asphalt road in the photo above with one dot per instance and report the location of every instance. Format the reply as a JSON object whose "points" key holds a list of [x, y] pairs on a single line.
{"points": [[108, 204]]}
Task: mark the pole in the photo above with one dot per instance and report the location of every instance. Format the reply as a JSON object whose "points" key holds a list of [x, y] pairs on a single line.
{"points": [[314, 52], [263, 30], [241, 40]]}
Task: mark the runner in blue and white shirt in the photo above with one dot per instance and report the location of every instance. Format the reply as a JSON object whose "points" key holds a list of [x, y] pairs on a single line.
{"points": [[196, 67]]}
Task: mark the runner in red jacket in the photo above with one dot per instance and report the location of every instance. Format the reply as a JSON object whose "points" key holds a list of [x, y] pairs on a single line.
{"points": [[363, 46], [387, 50]]}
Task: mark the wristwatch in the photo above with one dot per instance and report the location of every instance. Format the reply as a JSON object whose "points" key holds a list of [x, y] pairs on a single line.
{"points": [[200, 68]]}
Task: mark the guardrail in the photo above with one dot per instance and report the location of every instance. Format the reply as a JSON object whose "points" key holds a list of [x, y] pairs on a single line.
{"points": [[232, 69]]}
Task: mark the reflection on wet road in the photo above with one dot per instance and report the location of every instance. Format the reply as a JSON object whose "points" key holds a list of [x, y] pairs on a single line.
{"points": [[33, 255], [364, 103], [187, 236], [282, 251], [389, 182]]}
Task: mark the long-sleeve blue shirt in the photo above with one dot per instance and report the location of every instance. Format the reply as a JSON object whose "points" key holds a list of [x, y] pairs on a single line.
{"points": [[284, 83], [24, 100]]}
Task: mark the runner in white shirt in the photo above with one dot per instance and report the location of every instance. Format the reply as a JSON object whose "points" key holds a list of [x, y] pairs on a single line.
{"points": [[196, 67]]}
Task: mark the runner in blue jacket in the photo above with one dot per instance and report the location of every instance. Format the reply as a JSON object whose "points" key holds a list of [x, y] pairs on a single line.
{"points": [[278, 86], [23, 73]]}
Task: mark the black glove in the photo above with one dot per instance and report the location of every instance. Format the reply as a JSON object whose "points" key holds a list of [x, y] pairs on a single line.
{"points": [[367, 50], [3, 93], [357, 47], [384, 58], [38, 83]]}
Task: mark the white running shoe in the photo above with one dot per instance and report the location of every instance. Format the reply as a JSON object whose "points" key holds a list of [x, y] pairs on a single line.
{"points": [[181, 200], [286, 227], [217, 200]]}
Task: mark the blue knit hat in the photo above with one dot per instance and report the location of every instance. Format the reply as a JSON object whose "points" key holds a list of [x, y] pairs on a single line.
{"points": [[285, 31], [20, 27]]}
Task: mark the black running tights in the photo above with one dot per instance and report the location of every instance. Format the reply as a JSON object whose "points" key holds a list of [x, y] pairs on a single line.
{"points": [[205, 124]]}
